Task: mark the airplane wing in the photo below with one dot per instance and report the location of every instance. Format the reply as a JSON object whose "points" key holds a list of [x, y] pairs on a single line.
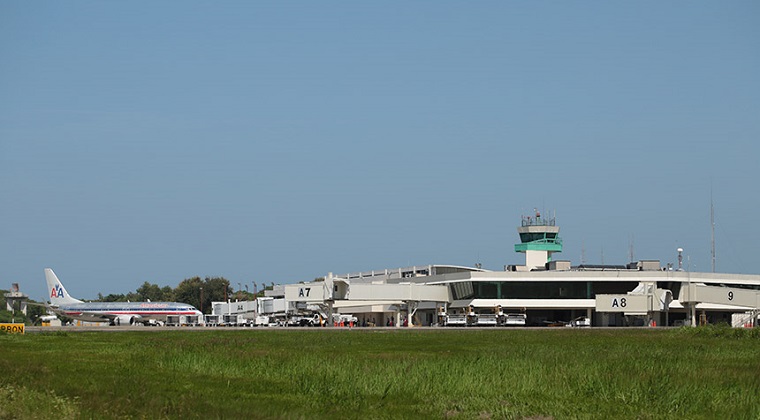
{"points": [[103, 316], [93, 315], [49, 307]]}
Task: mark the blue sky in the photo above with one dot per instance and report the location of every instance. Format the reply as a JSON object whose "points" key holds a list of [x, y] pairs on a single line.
{"points": [[279, 141]]}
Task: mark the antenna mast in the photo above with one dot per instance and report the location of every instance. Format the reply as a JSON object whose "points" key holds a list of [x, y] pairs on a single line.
{"points": [[712, 231], [583, 252]]}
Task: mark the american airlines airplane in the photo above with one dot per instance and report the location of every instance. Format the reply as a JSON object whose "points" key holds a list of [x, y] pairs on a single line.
{"points": [[117, 313]]}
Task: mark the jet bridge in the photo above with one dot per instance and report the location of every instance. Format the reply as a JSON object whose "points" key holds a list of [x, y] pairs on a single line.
{"points": [[403, 292], [646, 299], [695, 293], [334, 289]]}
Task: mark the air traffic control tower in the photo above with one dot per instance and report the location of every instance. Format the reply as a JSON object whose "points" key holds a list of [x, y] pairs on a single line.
{"points": [[538, 240]]}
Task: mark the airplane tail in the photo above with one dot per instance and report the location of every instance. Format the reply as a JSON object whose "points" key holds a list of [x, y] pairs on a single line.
{"points": [[58, 294]]}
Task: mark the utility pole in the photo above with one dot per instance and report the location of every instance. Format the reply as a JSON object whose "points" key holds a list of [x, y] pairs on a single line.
{"points": [[631, 255], [583, 252], [712, 231]]}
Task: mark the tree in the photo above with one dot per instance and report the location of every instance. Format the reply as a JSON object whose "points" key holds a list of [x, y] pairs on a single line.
{"points": [[35, 311], [150, 292], [133, 297], [189, 291], [214, 289], [168, 294], [112, 298]]}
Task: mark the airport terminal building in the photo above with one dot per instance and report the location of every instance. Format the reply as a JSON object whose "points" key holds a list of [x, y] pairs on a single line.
{"points": [[542, 292]]}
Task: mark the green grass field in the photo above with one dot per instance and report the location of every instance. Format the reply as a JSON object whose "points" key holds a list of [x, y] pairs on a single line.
{"points": [[421, 373]]}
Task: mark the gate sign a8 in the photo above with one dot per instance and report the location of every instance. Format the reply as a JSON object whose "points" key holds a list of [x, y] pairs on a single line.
{"points": [[623, 303]]}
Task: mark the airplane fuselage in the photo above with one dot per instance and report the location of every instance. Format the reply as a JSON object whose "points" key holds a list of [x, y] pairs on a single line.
{"points": [[103, 311]]}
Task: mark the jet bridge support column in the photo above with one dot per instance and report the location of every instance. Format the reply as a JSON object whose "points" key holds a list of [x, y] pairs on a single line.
{"points": [[411, 310], [329, 298], [330, 320], [693, 314]]}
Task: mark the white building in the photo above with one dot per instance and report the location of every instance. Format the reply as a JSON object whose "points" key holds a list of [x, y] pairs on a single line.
{"points": [[544, 290]]}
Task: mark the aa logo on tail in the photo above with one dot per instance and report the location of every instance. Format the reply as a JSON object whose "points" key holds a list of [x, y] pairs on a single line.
{"points": [[57, 291]]}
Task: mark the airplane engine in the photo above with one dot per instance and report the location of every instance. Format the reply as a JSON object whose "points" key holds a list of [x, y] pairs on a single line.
{"points": [[127, 320]]}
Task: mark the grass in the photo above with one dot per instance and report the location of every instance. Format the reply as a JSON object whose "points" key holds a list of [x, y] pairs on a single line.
{"points": [[422, 373]]}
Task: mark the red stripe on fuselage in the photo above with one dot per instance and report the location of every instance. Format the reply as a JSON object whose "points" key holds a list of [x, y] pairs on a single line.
{"points": [[130, 313]]}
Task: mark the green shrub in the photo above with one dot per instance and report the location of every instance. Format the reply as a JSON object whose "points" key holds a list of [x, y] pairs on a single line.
{"points": [[721, 330]]}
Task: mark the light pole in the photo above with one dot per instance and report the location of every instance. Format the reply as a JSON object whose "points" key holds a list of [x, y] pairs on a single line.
{"points": [[201, 299]]}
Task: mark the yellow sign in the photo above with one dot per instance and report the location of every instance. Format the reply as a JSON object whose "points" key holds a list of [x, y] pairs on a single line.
{"points": [[12, 328]]}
